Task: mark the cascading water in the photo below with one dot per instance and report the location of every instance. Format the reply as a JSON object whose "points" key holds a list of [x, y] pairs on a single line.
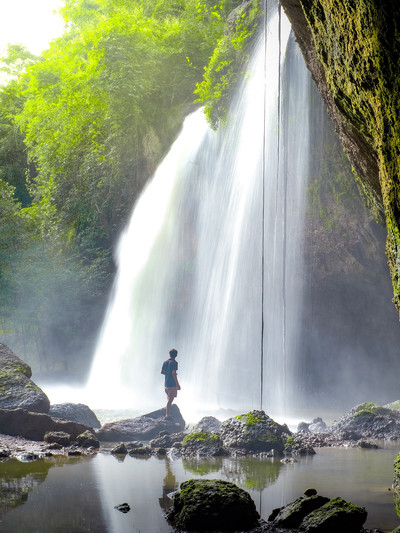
{"points": [[195, 272]]}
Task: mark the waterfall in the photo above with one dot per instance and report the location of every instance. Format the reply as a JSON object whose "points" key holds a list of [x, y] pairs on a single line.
{"points": [[211, 259]]}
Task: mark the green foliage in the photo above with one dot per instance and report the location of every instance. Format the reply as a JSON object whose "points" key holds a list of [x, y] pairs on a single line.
{"points": [[228, 64]]}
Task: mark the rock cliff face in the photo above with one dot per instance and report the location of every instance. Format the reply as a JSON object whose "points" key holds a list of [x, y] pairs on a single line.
{"points": [[353, 50]]}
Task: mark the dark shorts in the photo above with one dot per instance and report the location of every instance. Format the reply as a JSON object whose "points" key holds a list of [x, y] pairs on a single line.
{"points": [[171, 392]]}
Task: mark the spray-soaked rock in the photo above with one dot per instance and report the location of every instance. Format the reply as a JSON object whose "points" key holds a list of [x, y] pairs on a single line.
{"points": [[312, 513], [144, 427], [254, 432], [212, 505], [17, 390], [76, 412], [368, 420], [34, 426], [210, 424]]}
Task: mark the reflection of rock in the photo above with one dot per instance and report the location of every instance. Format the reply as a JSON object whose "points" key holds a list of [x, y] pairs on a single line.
{"points": [[76, 412], [144, 427], [16, 388], [17, 479], [202, 466], [212, 505], [251, 473]]}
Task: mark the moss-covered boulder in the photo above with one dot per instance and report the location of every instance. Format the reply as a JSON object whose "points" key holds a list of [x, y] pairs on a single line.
{"points": [[336, 515], [202, 444], [312, 513], [212, 505], [254, 432], [368, 420], [293, 514], [17, 390]]}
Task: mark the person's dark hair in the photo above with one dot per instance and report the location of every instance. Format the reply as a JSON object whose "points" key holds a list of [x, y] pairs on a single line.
{"points": [[173, 353]]}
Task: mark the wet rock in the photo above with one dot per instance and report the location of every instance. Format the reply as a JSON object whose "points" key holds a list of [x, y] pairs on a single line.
{"points": [[318, 426], [303, 427], [202, 444], [144, 450], [87, 440], [298, 446], [212, 505], [366, 421], [34, 426], [123, 507], [209, 424], [76, 412], [17, 390], [57, 437], [166, 439], [254, 432], [119, 449], [293, 514], [27, 457], [144, 427], [74, 452], [312, 513], [335, 515], [310, 492]]}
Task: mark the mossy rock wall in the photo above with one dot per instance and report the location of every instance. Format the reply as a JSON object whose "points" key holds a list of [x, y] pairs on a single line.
{"points": [[353, 52]]}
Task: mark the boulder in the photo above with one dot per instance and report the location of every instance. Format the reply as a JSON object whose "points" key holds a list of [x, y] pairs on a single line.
{"points": [[34, 426], [76, 412], [210, 424], [144, 427], [58, 437], [336, 515], [293, 514], [254, 432], [17, 390], [202, 444], [368, 420], [298, 445], [318, 426], [87, 440], [312, 513], [212, 505], [166, 439]]}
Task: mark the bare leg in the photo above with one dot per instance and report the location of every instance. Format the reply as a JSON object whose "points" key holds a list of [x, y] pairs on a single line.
{"points": [[168, 408]]}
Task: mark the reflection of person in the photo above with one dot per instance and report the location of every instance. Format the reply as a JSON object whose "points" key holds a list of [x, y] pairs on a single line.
{"points": [[169, 369], [169, 486]]}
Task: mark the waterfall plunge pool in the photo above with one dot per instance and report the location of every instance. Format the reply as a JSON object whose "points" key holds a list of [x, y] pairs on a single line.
{"points": [[79, 494]]}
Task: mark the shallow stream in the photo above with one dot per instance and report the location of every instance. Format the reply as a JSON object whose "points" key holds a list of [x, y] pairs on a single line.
{"points": [[79, 495]]}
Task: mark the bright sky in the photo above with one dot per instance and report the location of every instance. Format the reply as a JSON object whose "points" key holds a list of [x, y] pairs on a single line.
{"points": [[29, 22]]}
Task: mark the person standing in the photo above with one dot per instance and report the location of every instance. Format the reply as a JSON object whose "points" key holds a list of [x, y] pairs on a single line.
{"points": [[169, 370]]}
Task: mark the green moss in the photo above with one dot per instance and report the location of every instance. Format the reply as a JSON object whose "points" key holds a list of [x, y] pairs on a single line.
{"points": [[371, 408], [200, 437], [253, 418]]}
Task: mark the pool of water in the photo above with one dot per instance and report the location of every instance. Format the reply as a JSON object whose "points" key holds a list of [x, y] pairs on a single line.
{"points": [[80, 494]]}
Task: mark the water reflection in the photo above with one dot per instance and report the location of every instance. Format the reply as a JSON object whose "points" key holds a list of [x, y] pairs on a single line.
{"points": [[169, 486], [80, 494], [18, 479]]}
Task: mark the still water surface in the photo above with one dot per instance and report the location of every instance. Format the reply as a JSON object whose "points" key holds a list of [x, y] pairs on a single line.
{"points": [[78, 495]]}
